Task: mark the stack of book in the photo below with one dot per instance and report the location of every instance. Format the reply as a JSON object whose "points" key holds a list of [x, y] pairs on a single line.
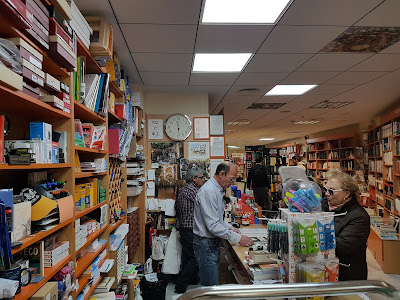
{"points": [[262, 265], [55, 253], [80, 25], [104, 285], [96, 92]]}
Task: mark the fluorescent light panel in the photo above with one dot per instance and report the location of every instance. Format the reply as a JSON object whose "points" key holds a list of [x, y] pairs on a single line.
{"points": [[244, 11], [290, 89], [266, 139], [220, 62], [238, 123], [234, 147], [310, 122]]}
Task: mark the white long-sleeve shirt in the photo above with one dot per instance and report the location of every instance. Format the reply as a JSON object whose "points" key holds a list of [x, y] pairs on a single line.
{"points": [[209, 213]]}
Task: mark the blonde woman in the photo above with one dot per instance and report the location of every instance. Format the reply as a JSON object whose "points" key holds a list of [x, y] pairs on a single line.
{"points": [[352, 226]]}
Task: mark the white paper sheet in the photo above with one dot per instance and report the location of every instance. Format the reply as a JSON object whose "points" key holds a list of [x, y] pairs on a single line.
{"points": [[151, 174], [155, 165]]}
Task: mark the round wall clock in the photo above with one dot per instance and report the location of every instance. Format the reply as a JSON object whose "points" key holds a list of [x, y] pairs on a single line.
{"points": [[178, 127]]}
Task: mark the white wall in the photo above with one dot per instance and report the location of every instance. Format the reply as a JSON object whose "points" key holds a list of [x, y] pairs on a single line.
{"points": [[176, 103]]}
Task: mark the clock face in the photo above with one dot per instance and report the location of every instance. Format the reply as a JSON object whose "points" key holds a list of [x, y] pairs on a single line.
{"points": [[178, 127]]}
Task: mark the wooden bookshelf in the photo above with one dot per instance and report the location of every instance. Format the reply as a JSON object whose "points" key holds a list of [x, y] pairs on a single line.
{"points": [[82, 281], [33, 166], [114, 88], [26, 242], [114, 226], [91, 65], [92, 288], [84, 113], [30, 289], [90, 150], [79, 214], [91, 237], [113, 118], [86, 260], [89, 174]]}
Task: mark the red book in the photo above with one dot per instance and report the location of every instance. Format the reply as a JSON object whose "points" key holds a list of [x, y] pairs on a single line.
{"points": [[113, 140]]}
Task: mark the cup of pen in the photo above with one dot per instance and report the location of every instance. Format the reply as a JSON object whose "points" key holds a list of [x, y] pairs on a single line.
{"points": [[22, 275]]}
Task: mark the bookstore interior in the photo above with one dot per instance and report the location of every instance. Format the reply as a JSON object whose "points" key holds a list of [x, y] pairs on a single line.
{"points": [[108, 106]]}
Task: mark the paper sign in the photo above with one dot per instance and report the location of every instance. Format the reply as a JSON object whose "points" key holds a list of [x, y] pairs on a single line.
{"points": [[217, 125], [155, 165], [151, 174], [151, 184], [217, 146], [156, 129], [214, 164], [150, 192]]}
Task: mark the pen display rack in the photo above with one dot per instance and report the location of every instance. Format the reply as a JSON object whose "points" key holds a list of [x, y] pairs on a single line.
{"points": [[115, 193]]}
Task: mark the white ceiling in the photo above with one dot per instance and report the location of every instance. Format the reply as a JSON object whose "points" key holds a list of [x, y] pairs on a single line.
{"points": [[156, 41]]}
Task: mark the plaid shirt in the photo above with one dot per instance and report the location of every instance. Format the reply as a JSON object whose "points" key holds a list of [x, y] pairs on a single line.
{"points": [[184, 205]]}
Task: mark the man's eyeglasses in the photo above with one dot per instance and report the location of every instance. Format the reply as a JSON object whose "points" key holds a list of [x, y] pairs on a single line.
{"points": [[201, 177], [331, 191]]}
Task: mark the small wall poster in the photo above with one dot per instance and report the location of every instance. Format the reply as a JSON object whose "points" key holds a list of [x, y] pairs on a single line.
{"points": [[217, 125], [199, 150], [214, 164], [201, 128], [156, 131], [217, 146]]}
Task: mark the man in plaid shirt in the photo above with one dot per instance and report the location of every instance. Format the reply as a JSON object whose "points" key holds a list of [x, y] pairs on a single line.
{"points": [[184, 206]]}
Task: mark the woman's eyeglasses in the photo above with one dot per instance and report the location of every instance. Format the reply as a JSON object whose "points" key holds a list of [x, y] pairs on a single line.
{"points": [[331, 191]]}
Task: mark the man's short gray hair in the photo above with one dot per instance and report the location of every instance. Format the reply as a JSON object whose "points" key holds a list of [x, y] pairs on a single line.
{"points": [[192, 173]]}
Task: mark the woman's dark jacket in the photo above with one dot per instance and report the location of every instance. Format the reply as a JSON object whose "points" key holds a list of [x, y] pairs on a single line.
{"points": [[352, 231]]}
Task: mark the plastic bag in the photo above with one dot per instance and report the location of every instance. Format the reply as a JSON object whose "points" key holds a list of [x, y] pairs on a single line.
{"points": [[173, 253], [157, 248], [10, 56]]}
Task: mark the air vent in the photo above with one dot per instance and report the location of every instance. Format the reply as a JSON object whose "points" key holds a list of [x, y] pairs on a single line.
{"points": [[285, 111], [364, 39], [249, 90], [230, 130], [266, 105], [331, 104], [293, 131], [238, 123]]}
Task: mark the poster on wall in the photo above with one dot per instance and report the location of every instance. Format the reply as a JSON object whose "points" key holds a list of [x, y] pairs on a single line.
{"points": [[201, 128], [217, 125], [199, 150], [166, 153], [214, 164], [156, 131], [186, 165], [217, 146]]}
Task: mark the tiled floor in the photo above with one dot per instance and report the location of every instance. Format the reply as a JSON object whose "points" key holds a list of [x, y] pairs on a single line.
{"points": [[374, 273]]}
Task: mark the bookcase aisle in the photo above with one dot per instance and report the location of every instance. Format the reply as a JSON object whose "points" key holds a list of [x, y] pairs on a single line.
{"points": [[66, 111]]}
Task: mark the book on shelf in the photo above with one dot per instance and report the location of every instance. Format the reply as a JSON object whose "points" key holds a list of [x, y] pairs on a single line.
{"points": [[104, 285]]}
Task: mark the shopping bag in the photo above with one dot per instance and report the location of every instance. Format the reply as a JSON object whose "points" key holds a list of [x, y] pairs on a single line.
{"points": [[173, 252]]}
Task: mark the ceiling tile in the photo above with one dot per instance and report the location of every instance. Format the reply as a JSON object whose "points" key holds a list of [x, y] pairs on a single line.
{"points": [[160, 38], [379, 62], [392, 49], [310, 99], [163, 62], [355, 77], [385, 15], [276, 62], [317, 12], [260, 78], [251, 114], [242, 90], [157, 11], [246, 100], [333, 62], [336, 89], [230, 39], [276, 99], [300, 39], [308, 77], [213, 79], [156, 78]]}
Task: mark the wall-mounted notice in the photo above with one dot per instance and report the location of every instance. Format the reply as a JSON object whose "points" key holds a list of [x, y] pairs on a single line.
{"points": [[156, 131], [217, 125]]}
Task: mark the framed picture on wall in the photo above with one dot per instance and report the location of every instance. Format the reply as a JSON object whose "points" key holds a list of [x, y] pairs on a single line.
{"points": [[199, 150], [217, 147], [217, 125], [201, 128], [155, 127]]}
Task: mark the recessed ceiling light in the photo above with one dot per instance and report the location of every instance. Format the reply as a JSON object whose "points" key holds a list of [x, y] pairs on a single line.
{"points": [[220, 62], [310, 122], [244, 11], [290, 89], [266, 139], [234, 147]]}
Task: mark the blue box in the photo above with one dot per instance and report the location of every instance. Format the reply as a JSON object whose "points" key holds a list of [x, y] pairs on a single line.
{"points": [[41, 131]]}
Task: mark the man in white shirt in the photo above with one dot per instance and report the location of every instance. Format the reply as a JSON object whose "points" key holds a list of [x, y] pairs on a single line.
{"points": [[209, 226]]}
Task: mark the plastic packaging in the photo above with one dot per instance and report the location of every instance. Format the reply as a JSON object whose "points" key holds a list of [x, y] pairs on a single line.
{"points": [[10, 56]]}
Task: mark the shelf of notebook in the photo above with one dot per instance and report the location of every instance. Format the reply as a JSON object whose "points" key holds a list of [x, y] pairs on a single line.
{"points": [[92, 67], [112, 227], [92, 288], [27, 106], [86, 115], [79, 214], [90, 150], [83, 281], [49, 65], [86, 260], [89, 174], [33, 166], [26, 242], [113, 118], [91, 237], [114, 88], [30, 289]]}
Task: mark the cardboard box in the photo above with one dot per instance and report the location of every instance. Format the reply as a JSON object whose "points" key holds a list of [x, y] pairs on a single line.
{"points": [[21, 43], [10, 78], [62, 56], [31, 77], [51, 84], [57, 30], [38, 13], [30, 58], [41, 131], [48, 292]]}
